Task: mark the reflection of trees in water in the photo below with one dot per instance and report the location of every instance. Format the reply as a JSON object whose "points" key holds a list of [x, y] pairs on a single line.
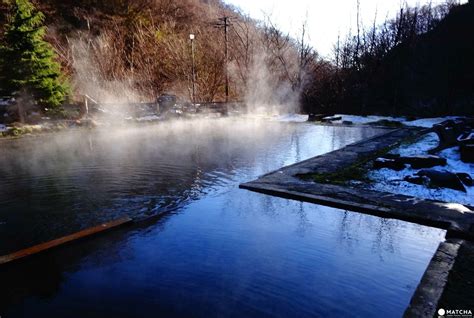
{"points": [[347, 236], [333, 139], [355, 227], [272, 209], [385, 234], [304, 224], [295, 145], [352, 230], [385, 237]]}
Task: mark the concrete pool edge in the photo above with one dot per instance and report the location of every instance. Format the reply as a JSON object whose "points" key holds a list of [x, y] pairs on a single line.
{"points": [[424, 302], [458, 220]]}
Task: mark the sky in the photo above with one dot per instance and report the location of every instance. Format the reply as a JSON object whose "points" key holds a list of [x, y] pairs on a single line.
{"points": [[326, 18]]}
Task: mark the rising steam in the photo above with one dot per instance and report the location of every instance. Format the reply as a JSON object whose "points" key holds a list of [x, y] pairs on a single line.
{"points": [[90, 78], [265, 93]]}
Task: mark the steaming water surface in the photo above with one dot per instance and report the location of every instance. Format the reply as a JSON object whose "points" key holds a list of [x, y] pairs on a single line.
{"points": [[218, 250]]}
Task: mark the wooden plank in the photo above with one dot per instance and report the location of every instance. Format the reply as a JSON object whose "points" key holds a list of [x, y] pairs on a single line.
{"points": [[63, 240]]}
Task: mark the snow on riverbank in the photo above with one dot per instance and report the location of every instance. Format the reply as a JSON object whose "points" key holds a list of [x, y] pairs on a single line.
{"points": [[427, 122], [362, 120], [388, 180], [423, 122]]}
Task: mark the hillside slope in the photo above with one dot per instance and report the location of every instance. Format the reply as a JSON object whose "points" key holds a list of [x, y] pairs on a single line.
{"points": [[130, 50], [433, 75]]}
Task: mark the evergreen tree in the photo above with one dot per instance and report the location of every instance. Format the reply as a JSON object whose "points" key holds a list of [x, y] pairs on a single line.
{"points": [[27, 61]]}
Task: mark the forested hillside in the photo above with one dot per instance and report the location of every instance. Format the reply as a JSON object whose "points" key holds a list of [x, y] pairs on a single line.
{"points": [[420, 63], [137, 49], [133, 50]]}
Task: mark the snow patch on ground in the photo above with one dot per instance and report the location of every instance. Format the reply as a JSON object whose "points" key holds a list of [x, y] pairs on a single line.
{"points": [[423, 122], [362, 120], [388, 180], [421, 147], [428, 122]]}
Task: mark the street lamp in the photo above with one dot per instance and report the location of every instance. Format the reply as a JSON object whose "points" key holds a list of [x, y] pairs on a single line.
{"points": [[191, 37]]}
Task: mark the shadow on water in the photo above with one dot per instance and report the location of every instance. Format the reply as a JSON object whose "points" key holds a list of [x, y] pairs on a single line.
{"points": [[41, 276]]}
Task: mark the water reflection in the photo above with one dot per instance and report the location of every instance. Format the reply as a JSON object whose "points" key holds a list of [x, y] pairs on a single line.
{"points": [[57, 184], [209, 260], [219, 250]]}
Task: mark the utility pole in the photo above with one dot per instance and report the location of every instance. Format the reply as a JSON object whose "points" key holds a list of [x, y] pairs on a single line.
{"points": [[191, 37], [224, 23]]}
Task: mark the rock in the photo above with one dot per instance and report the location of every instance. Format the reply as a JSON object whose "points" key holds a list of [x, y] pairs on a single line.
{"points": [[386, 123], [467, 153], [419, 162], [450, 131], [390, 156], [388, 163], [318, 117], [347, 122], [329, 119], [422, 180], [442, 179], [439, 178], [466, 138], [465, 178]]}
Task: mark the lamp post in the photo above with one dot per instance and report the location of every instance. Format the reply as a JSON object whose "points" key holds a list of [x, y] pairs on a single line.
{"points": [[191, 37]]}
